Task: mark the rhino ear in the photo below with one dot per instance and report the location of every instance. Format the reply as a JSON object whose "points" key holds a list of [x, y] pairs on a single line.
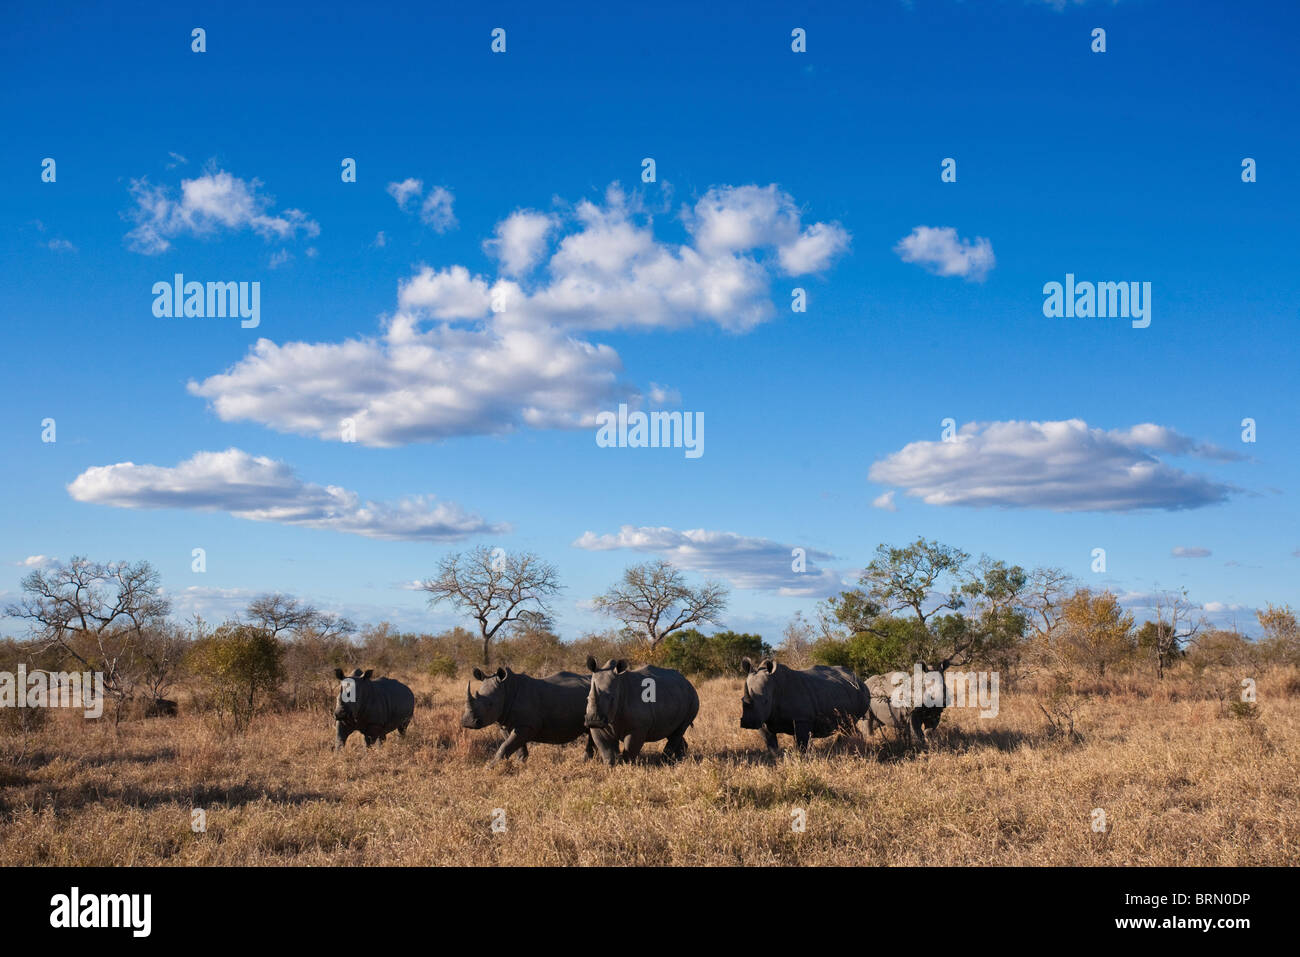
{"points": [[478, 674], [356, 673], [769, 664], [369, 672], [591, 663], [620, 666], [501, 674], [746, 665], [338, 673]]}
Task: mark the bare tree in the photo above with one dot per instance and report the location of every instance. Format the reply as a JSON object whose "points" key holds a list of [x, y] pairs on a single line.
{"points": [[1177, 622], [494, 587], [96, 613], [1044, 603], [654, 599], [277, 612], [162, 649]]}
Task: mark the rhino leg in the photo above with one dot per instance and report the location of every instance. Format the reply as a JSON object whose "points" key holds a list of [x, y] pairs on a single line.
{"points": [[773, 745], [675, 747], [918, 729], [340, 735], [401, 729], [607, 744], [803, 735], [514, 741], [632, 746], [370, 740], [591, 748]]}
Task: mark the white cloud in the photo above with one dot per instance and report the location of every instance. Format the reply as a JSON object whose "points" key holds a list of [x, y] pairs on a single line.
{"points": [[436, 211], [261, 489], [445, 294], [939, 250], [405, 190], [417, 385], [62, 246], [36, 561], [1063, 466], [756, 563], [380, 240], [208, 204], [814, 249], [520, 241], [518, 360], [1181, 551], [885, 501], [735, 219], [662, 395]]}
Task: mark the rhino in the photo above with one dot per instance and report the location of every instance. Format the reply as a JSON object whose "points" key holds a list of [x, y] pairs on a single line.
{"points": [[808, 703], [373, 706], [892, 703], [160, 708], [549, 710], [636, 705]]}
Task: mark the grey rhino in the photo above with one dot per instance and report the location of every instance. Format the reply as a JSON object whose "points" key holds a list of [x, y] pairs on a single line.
{"points": [[893, 704], [637, 705], [373, 706], [549, 710], [809, 703]]}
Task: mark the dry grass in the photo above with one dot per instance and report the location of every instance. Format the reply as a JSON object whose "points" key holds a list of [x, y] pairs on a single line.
{"points": [[1179, 782]]}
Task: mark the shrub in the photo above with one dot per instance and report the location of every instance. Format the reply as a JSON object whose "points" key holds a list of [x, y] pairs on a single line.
{"points": [[708, 656], [239, 666]]}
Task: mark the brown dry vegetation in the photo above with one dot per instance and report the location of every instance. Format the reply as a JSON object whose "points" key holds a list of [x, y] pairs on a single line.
{"points": [[1180, 781]]}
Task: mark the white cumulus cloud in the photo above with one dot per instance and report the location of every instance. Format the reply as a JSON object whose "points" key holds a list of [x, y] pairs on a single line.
{"points": [[261, 489], [520, 241], [757, 563], [1063, 466], [941, 251], [208, 204], [467, 354]]}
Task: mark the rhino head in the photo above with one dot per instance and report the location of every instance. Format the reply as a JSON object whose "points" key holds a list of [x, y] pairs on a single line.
{"points": [[485, 707], [350, 700], [605, 692], [760, 691]]}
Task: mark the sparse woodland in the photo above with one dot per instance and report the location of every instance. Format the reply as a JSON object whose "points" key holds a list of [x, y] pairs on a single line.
{"points": [[1186, 735]]}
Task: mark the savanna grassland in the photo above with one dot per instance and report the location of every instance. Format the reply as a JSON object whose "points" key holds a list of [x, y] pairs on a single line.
{"points": [[1181, 781]]}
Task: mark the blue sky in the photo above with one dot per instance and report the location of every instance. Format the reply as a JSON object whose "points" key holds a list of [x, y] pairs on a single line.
{"points": [[774, 170]]}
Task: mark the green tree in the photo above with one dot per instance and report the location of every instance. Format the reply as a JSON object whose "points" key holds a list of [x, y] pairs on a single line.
{"points": [[239, 666], [691, 652], [1095, 632]]}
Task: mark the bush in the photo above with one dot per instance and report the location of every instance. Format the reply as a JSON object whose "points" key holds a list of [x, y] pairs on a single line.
{"points": [[23, 721], [708, 656], [441, 666], [240, 667], [864, 654]]}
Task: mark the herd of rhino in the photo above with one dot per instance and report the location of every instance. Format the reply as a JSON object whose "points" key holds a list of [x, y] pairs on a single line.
{"points": [[618, 708]]}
